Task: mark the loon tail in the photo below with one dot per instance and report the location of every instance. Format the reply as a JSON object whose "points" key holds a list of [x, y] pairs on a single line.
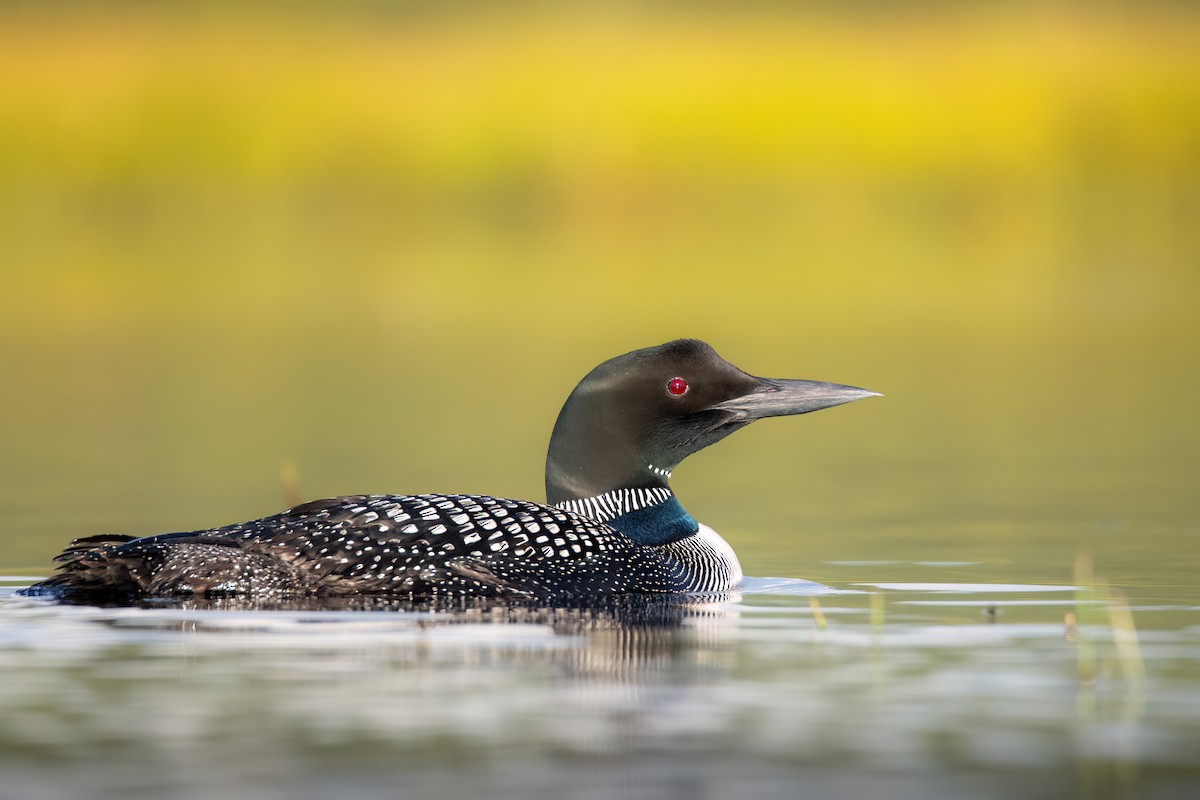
{"points": [[116, 566], [87, 566]]}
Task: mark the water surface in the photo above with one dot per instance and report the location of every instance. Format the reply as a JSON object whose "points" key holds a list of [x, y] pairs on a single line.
{"points": [[903, 689]]}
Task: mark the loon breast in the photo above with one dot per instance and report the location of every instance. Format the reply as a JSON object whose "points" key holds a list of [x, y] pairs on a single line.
{"points": [[708, 560]]}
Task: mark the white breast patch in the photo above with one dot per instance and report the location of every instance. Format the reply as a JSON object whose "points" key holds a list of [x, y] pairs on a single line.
{"points": [[724, 552]]}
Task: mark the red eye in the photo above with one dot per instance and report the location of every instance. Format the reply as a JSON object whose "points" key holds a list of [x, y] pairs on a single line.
{"points": [[677, 386]]}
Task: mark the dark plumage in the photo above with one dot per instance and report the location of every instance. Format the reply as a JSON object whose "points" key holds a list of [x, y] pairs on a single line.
{"points": [[614, 526]]}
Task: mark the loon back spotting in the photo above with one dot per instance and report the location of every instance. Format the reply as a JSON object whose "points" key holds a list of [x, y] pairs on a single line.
{"points": [[612, 524]]}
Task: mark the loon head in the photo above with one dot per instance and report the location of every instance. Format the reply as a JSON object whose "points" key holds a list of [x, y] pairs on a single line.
{"points": [[632, 419]]}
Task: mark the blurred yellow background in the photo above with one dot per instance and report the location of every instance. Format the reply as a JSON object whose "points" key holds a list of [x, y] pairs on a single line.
{"points": [[378, 244]]}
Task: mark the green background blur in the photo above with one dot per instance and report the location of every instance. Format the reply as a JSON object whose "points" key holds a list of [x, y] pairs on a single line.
{"points": [[374, 245]]}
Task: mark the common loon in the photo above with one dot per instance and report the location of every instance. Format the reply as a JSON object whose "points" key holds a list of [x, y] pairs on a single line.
{"points": [[611, 524]]}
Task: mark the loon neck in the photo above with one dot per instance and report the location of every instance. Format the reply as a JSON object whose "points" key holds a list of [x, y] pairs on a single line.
{"points": [[650, 515]]}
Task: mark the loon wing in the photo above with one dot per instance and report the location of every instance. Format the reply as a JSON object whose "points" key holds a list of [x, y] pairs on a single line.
{"points": [[387, 544]]}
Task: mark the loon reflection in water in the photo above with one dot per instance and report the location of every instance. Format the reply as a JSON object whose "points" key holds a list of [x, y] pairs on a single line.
{"points": [[568, 616], [611, 525]]}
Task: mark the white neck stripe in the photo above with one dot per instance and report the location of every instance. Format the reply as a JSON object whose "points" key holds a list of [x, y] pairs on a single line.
{"points": [[611, 505]]}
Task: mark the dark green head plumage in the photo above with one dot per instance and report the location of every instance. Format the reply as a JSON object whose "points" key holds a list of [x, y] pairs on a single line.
{"points": [[632, 419]]}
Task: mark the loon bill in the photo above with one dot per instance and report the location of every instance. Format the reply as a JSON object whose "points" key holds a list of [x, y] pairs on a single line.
{"points": [[611, 524]]}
